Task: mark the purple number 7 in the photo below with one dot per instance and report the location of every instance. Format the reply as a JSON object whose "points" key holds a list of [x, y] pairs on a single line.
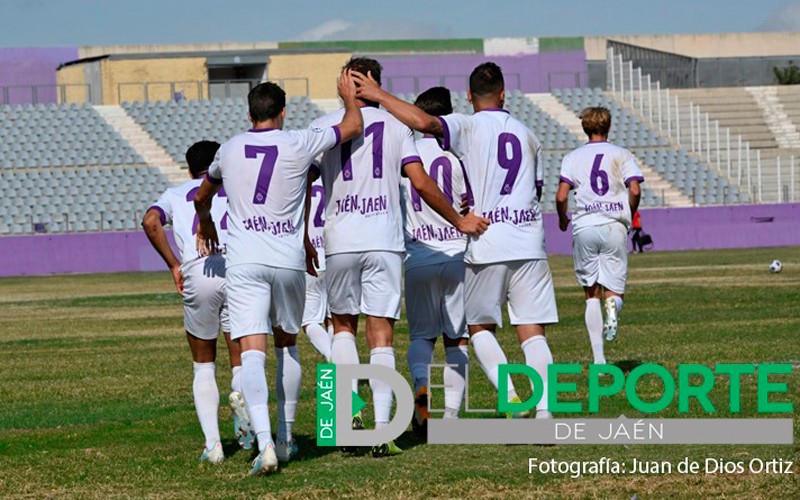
{"points": [[265, 172], [510, 163]]}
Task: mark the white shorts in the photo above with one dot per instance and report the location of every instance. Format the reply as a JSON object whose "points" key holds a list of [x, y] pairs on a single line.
{"points": [[601, 256], [435, 300], [526, 285], [205, 307], [316, 308], [367, 283], [261, 298]]}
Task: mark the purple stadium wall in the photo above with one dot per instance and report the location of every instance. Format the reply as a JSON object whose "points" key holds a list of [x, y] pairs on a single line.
{"points": [[672, 229], [528, 73], [23, 69]]}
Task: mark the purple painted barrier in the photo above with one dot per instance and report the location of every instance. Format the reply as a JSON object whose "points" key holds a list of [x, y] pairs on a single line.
{"points": [[28, 75], [528, 73], [672, 229], [739, 226], [36, 255]]}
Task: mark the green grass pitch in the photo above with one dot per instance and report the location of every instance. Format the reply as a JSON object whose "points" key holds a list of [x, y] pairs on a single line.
{"points": [[95, 391]]}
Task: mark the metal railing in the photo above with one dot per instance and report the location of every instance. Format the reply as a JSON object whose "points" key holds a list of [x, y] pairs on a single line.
{"points": [[45, 94], [693, 130]]}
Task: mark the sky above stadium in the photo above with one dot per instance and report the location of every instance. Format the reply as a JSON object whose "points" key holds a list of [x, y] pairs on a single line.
{"points": [[93, 22]]}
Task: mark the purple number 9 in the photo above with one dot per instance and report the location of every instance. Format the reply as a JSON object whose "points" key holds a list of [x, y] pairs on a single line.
{"points": [[265, 172], [441, 163], [510, 162], [596, 174]]}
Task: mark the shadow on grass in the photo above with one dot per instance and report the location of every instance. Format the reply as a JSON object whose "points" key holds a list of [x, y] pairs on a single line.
{"points": [[626, 365]]}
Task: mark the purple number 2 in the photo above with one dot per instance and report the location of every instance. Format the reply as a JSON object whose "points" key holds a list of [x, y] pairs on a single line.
{"points": [[596, 174], [376, 130], [223, 224], [441, 163], [265, 172], [319, 191], [510, 163]]}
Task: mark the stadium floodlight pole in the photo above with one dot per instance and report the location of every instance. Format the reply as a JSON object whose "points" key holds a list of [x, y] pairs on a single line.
{"points": [[658, 96], [758, 176], [739, 168], [678, 119], [728, 146]]}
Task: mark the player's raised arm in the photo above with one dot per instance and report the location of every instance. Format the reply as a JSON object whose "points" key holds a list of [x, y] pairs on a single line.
{"points": [[352, 123], [207, 239], [410, 115], [153, 225], [469, 224]]}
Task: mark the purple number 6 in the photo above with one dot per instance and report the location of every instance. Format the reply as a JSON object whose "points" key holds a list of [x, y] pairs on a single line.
{"points": [[265, 172], [510, 163], [596, 174]]}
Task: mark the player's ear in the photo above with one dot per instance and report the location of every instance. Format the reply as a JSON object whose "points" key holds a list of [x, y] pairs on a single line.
{"points": [[469, 96], [503, 95], [283, 114], [250, 118]]}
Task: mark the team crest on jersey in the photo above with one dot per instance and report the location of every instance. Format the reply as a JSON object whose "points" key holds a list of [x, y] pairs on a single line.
{"points": [[317, 130]]}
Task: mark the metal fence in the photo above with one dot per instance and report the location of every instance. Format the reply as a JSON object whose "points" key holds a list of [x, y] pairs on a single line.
{"points": [[689, 127], [45, 94]]}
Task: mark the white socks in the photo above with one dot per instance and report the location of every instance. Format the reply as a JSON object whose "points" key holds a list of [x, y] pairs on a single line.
{"points": [[594, 324], [206, 401], [454, 381], [344, 352], [288, 385], [320, 339], [618, 301], [420, 355], [538, 356], [256, 393], [381, 392], [236, 379], [490, 355]]}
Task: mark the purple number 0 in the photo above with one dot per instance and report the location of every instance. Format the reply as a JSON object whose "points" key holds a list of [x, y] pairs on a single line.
{"points": [[446, 167], [510, 163], [318, 190], [376, 130], [223, 224], [265, 172], [596, 174]]}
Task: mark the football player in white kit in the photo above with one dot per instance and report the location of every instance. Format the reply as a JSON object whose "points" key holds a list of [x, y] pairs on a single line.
{"points": [[264, 172], [508, 263], [606, 181], [201, 282], [364, 234], [434, 278], [315, 312]]}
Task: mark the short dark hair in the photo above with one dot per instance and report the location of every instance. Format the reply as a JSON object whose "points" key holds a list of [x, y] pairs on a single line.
{"points": [[486, 79], [435, 101], [266, 101], [365, 65], [596, 121], [200, 155]]}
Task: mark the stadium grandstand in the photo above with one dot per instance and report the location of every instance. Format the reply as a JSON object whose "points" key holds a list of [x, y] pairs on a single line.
{"points": [[90, 136]]}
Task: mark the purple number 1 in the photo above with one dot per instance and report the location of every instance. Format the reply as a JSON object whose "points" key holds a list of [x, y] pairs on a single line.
{"points": [[265, 172], [597, 174], [376, 130], [510, 163]]}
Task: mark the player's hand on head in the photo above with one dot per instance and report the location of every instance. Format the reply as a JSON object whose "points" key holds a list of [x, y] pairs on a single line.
{"points": [[346, 85], [177, 277], [366, 86], [473, 225]]}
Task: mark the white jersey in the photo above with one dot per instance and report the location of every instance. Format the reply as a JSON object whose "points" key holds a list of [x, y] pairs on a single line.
{"points": [[600, 172], [430, 239], [265, 173], [502, 158], [362, 184], [176, 207], [316, 221]]}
